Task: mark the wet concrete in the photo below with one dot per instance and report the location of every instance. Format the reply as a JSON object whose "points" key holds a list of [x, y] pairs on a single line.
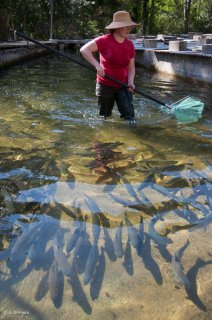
{"points": [[187, 64], [14, 52]]}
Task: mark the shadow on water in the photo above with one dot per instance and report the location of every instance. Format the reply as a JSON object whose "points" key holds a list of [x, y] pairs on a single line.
{"points": [[123, 190], [43, 287], [78, 294], [149, 262], [128, 262], [109, 246], [192, 276], [98, 277]]}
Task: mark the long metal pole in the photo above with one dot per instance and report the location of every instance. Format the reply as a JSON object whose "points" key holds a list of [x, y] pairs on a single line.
{"points": [[51, 20]]}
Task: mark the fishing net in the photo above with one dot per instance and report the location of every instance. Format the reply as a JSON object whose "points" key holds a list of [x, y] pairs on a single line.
{"points": [[188, 109]]}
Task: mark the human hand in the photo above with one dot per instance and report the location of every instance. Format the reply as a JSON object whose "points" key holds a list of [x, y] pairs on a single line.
{"points": [[100, 71], [131, 87]]}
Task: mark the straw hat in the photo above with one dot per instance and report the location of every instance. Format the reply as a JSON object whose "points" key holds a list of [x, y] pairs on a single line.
{"points": [[121, 19]]}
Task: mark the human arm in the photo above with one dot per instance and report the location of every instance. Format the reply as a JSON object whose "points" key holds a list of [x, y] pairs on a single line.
{"points": [[87, 52], [131, 74]]}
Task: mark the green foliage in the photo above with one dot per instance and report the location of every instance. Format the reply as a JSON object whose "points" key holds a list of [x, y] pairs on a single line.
{"points": [[168, 17], [201, 16], [87, 18]]}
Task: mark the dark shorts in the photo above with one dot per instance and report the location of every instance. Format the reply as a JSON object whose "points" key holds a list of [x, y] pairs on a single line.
{"points": [[107, 96]]}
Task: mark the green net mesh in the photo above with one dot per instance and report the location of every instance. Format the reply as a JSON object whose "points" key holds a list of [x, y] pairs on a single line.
{"points": [[188, 109]]}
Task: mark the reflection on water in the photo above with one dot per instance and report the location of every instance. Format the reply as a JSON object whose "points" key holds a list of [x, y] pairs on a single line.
{"points": [[98, 218]]}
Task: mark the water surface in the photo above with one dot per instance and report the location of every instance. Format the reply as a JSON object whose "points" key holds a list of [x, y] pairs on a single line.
{"points": [[64, 169]]}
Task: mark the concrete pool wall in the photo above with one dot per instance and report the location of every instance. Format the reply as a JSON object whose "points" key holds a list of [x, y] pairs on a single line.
{"points": [[196, 66], [17, 52], [187, 64]]}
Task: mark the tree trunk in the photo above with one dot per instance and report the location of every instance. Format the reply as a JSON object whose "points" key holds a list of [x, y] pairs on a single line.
{"points": [[187, 7], [4, 28], [152, 17], [145, 16]]}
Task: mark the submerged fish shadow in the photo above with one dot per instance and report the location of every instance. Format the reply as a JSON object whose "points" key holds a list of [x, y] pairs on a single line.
{"points": [[43, 288], [109, 246], [128, 262], [58, 301], [15, 262], [98, 277], [149, 263], [83, 256], [164, 253], [192, 290], [44, 261], [78, 294]]}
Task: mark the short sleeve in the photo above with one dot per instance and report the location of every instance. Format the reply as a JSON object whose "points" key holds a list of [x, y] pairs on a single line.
{"points": [[131, 50], [100, 42]]}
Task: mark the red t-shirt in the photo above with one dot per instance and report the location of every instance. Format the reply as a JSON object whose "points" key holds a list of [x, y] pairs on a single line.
{"points": [[114, 58]]}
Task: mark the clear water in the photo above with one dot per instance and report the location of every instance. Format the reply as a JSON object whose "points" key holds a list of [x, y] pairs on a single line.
{"points": [[62, 168]]}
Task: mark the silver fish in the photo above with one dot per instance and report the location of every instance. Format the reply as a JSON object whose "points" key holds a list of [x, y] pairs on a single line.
{"points": [[81, 240], [26, 239], [31, 254], [129, 188], [132, 233], [150, 179], [178, 199], [38, 246], [143, 199], [94, 209], [148, 208], [202, 223], [96, 226], [91, 203], [155, 236], [179, 276], [55, 283], [91, 263], [118, 241], [73, 240], [61, 259]]}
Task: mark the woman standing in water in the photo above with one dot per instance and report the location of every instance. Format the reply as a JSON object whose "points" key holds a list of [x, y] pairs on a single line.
{"points": [[117, 59]]}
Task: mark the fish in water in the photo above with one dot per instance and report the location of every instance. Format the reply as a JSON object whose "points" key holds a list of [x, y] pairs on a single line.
{"points": [[26, 239], [143, 199], [32, 252], [38, 247], [177, 199], [61, 258], [109, 245], [179, 275], [154, 235], [202, 223], [94, 209], [68, 211], [91, 263], [91, 203], [149, 180], [96, 226], [56, 283], [132, 233], [73, 240], [81, 240], [147, 209], [140, 236], [118, 241], [129, 187]]}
